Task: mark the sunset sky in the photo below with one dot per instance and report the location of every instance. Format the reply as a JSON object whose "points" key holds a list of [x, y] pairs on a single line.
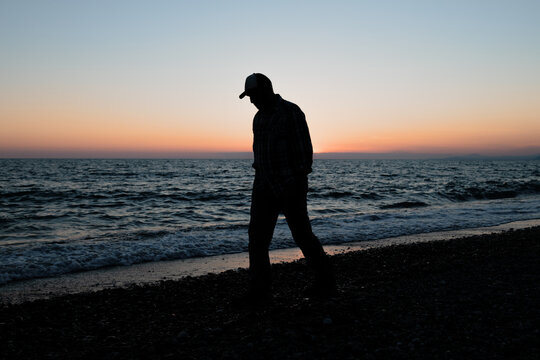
{"points": [[155, 78]]}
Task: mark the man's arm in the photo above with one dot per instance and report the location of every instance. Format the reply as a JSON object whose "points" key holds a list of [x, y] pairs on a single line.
{"points": [[301, 148]]}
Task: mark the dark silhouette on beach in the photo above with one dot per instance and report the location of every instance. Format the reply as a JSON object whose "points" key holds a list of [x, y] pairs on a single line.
{"points": [[283, 157]]}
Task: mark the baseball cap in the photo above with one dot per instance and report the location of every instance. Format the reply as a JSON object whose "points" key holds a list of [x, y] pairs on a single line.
{"points": [[255, 82]]}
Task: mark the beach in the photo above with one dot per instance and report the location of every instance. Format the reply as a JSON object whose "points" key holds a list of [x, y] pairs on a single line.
{"points": [[472, 297]]}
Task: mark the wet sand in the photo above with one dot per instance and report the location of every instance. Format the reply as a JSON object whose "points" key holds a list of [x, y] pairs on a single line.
{"points": [[475, 297]]}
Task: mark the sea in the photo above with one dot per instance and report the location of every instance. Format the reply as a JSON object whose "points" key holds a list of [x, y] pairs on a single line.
{"points": [[60, 216]]}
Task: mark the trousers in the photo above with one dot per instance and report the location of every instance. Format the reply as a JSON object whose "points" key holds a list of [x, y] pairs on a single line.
{"points": [[266, 206]]}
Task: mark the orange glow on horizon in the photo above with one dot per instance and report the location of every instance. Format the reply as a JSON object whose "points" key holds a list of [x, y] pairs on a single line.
{"points": [[77, 131], [80, 130]]}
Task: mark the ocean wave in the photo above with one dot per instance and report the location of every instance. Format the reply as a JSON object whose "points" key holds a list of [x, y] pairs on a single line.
{"points": [[368, 196], [491, 191], [404, 205], [331, 194], [36, 193], [45, 259], [103, 198]]}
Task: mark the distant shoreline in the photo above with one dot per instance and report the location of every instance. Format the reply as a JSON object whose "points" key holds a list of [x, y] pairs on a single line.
{"points": [[98, 155]]}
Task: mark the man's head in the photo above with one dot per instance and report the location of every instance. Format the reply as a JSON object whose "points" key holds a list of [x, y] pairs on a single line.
{"points": [[260, 91]]}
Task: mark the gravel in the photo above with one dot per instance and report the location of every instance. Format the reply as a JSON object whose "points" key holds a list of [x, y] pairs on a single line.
{"points": [[473, 298]]}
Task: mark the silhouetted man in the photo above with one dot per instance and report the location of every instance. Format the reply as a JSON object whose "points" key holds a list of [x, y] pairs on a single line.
{"points": [[283, 156]]}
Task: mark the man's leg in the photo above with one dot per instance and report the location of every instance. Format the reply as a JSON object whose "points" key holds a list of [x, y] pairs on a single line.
{"points": [[295, 209], [264, 213]]}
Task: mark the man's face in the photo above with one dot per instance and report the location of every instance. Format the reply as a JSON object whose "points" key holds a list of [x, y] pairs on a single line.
{"points": [[260, 99], [257, 99]]}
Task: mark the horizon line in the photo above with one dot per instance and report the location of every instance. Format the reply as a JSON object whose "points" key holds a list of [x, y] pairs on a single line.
{"points": [[394, 155]]}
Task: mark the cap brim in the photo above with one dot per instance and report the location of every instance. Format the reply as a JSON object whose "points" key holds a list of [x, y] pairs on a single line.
{"points": [[248, 92]]}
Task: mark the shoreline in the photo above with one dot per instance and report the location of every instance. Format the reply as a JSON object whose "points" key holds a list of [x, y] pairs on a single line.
{"points": [[154, 272], [474, 297]]}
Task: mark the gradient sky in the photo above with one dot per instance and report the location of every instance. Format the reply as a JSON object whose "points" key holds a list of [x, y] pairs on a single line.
{"points": [[156, 77]]}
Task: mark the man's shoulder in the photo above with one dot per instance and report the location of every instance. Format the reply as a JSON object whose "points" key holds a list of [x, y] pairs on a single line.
{"points": [[289, 106]]}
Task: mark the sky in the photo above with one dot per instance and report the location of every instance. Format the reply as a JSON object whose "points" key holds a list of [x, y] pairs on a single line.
{"points": [[162, 78]]}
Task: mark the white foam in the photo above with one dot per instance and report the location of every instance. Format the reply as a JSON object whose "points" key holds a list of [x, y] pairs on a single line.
{"points": [[122, 276], [51, 259]]}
